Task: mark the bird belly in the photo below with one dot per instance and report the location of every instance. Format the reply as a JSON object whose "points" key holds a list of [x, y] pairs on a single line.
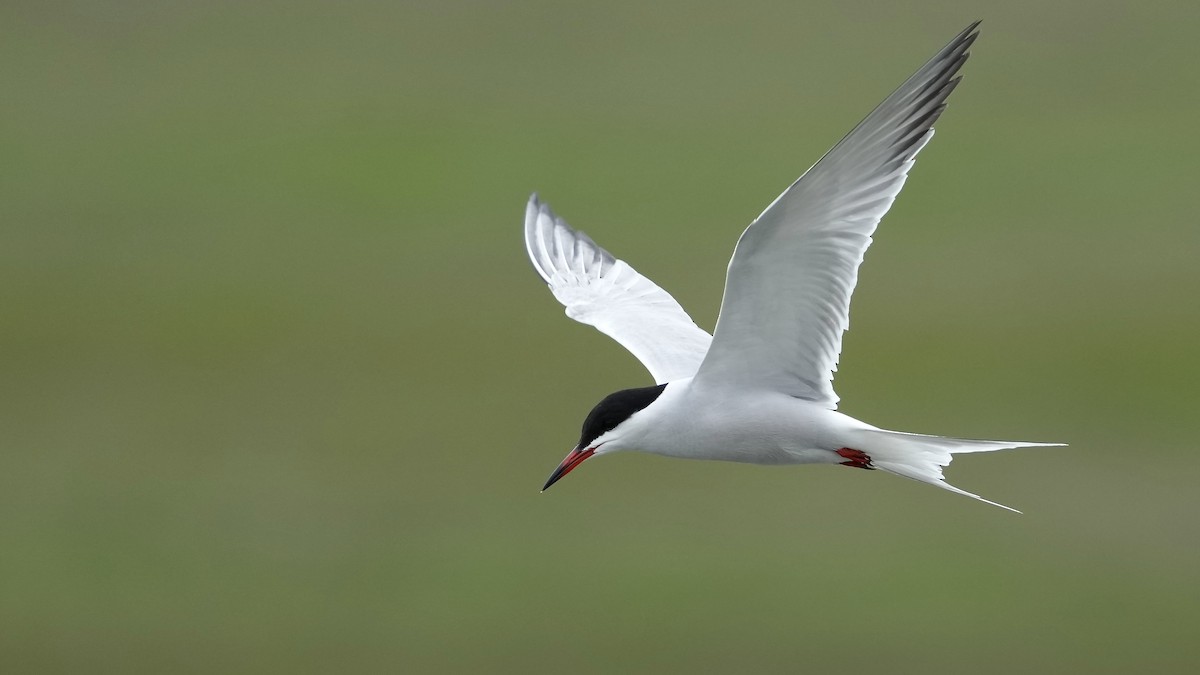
{"points": [[753, 427]]}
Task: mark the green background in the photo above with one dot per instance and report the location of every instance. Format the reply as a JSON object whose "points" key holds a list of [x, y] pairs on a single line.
{"points": [[278, 387]]}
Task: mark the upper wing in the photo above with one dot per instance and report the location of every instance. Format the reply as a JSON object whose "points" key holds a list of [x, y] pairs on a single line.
{"points": [[787, 291], [599, 290]]}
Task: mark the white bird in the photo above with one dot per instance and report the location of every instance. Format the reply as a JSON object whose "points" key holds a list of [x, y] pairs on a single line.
{"points": [[759, 389]]}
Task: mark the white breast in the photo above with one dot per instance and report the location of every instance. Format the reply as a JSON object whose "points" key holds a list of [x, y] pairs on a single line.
{"points": [[736, 425]]}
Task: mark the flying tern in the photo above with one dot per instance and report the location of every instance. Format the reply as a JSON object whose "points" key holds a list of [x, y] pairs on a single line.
{"points": [[760, 388]]}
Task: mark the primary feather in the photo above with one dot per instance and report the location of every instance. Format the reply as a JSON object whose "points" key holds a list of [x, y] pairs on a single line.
{"points": [[788, 287]]}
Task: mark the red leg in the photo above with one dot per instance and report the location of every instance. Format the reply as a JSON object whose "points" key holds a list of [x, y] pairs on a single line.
{"points": [[855, 458]]}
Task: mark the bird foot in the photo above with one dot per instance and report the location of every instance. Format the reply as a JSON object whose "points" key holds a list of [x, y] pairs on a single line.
{"points": [[856, 458]]}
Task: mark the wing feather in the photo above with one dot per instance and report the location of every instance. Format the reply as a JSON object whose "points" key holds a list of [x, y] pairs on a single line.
{"points": [[601, 291], [788, 287]]}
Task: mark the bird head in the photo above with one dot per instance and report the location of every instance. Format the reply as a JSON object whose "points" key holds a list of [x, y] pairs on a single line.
{"points": [[603, 426]]}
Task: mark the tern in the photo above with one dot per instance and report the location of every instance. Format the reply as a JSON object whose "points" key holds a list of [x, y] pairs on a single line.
{"points": [[760, 388]]}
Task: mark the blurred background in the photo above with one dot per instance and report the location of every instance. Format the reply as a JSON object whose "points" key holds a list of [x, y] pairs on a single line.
{"points": [[279, 387]]}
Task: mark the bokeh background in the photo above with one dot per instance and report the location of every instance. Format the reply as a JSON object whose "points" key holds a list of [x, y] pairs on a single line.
{"points": [[278, 387]]}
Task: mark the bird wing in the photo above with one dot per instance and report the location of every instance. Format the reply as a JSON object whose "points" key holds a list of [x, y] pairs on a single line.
{"points": [[788, 287], [601, 291]]}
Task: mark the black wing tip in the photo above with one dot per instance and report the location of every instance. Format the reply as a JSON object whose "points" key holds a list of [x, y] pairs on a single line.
{"points": [[970, 32], [963, 41], [967, 38], [947, 64], [960, 45]]}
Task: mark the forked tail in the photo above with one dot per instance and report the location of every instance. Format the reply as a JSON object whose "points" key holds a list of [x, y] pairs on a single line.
{"points": [[921, 457]]}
